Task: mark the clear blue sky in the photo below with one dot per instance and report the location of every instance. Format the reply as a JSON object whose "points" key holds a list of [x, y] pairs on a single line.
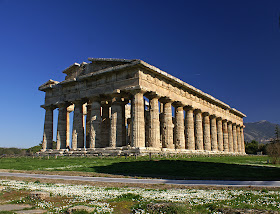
{"points": [[229, 49]]}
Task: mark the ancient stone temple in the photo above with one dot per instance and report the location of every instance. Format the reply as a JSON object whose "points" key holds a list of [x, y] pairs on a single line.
{"points": [[128, 106]]}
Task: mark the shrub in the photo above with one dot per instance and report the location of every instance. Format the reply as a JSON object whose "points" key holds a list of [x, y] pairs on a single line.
{"points": [[273, 150]]}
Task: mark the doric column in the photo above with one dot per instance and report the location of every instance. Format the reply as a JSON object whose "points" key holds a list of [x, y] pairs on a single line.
{"points": [[88, 118], [242, 140], [138, 120], [48, 128], [179, 128], [220, 134], [128, 122], [62, 126], [95, 123], [161, 107], [189, 128], [234, 136], [105, 124], [124, 122], [230, 137], [69, 109], [238, 138], [206, 132], [198, 130], [167, 134], [116, 130], [147, 123], [154, 124], [213, 130], [225, 135], [78, 126]]}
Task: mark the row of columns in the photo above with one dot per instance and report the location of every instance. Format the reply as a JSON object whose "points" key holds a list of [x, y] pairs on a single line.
{"points": [[106, 126]]}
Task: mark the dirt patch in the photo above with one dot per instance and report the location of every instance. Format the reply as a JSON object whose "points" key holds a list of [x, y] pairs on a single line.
{"points": [[123, 207], [69, 173], [10, 207], [11, 195]]}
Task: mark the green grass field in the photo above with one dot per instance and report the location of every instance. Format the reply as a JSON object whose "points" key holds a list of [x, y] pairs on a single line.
{"points": [[188, 167]]}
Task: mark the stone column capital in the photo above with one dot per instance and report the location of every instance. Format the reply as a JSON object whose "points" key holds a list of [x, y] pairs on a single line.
{"points": [[212, 116], [105, 102], [49, 107], [63, 104], [219, 118], [137, 91], [197, 110], [70, 108], [205, 114], [119, 100], [165, 100], [225, 120], [78, 102], [178, 104], [94, 99], [187, 108], [151, 95]]}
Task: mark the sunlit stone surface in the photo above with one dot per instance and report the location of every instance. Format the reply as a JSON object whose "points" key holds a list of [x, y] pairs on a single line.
{"points": [[125, 107]]}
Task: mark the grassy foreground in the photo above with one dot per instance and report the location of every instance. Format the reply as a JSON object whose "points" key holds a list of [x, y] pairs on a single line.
{"points": [[187, 167], [138, 200]]}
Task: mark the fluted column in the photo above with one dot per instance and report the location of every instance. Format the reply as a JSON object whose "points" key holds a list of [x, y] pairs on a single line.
{"points": [[225, 135], [238, 138], [124, 122], [78, 127], [116, 130], [230, 137], [213, 130], [128, 131], [189, 128], [138, 120], [68, 127], [154, 124], [220, 134], [242, 140], [198, 130], [167, 135], [61, 127], [95, 123], [105, 124], [234, 136], [179, 128], [88, 118], [206, 132], [48, 128]]}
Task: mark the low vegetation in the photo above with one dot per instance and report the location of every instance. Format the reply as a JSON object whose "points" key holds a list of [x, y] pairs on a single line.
{"points": [[176, 167], [19, 152], [139, 200]]}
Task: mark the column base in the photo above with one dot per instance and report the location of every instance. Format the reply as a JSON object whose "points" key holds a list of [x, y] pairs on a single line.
{"points": [[130, 151]]}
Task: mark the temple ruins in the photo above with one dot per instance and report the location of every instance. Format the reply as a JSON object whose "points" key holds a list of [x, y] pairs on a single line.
{"points": [[124, 107]]}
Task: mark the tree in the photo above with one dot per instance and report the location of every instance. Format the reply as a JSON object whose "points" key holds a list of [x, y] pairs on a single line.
{"points": [[252, 147], [273, 149], [34, 149]]}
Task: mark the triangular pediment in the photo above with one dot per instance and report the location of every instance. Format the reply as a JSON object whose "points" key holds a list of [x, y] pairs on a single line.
{"points": [[74, 70], [98, 64], [48, 84]]}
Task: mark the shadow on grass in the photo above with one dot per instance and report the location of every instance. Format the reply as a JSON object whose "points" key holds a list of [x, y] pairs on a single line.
{"points": [[179, 169]]}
